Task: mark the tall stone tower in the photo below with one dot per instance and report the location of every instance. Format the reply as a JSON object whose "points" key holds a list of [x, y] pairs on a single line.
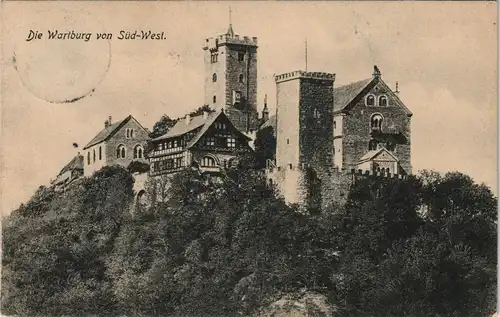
{"points": [[231, 77], [304, 132]]}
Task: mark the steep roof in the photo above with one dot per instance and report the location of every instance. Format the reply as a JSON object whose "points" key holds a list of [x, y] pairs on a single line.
{"points": [[343, 95], [74, 164], [271, 122], [181, 128], [374, 153], [109, 131]]}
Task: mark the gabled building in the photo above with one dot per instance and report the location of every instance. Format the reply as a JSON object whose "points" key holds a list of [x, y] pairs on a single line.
{"points": [[209, 141], [118, 143], [368, 116], [324, 133], [69, 174]]}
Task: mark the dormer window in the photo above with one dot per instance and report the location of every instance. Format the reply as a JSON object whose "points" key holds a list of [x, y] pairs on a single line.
{"points": [[214, 77], [370, 101], [376, 122], [382, 101]]}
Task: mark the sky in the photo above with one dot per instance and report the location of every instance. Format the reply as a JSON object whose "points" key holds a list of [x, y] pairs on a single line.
{"points": [[443, 54]]}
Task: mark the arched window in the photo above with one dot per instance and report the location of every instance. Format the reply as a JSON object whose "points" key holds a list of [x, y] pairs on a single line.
{"points": [[138, 152], [207, 161], [372, 145], [120, 151], [376, 122], [131, 133], [240, 78], [94, 154], [382, 101], [214, 99], [88, 158], [100, 153], [370, 100], [316, 114], [214, 77]]}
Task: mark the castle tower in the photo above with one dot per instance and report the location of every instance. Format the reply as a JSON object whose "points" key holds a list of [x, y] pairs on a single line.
{"points": [[304, 119], [304, 132], [231, 77]]}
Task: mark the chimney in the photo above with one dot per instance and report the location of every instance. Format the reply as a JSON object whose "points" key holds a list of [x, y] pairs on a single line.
{"points": [[109, 120], [106, 124], [376, 71], [188, 119], [205, 115], [397, 88]]}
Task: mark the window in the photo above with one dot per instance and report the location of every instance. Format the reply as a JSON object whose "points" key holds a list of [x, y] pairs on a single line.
{"points": [[94, 154], [120, 151], [174, 143], [178, 162], [335, 124], [88, 158], [236, 96], [128, 134], [376, 122], [214, 77], [370, 100], [240, 78], [214, 99], [100, 153], [241, 56], [316, 114], [287, 141], [138, 152], [213, 57], [131, 133], [372, 145], [207, 161], [210, 141], [231, 142], [382, 101]]}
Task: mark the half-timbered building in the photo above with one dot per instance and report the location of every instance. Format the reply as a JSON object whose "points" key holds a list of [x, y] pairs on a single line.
{"points": [[209, 141]]}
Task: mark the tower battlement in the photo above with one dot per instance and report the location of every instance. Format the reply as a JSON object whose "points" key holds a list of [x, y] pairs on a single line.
{"points": [[224, 39], [303, 74]]}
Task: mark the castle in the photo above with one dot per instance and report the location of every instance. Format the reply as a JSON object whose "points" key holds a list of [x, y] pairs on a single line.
{"points": [[326, 136]]}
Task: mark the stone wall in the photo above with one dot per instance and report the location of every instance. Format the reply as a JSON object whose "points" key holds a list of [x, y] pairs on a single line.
{"points": [[315, 124], [357, 129], [140, 138]]}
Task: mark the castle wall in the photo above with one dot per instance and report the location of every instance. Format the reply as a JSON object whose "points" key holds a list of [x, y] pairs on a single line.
{"points": [[216, 88], [290, 183], [97, 164], [287, 134], [315, 123]]}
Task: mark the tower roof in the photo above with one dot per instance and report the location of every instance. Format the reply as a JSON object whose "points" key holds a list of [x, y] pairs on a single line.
{"points": [[230, 30]]}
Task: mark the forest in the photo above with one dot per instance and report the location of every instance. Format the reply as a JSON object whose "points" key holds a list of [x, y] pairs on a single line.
{"points": [[423, 246]]}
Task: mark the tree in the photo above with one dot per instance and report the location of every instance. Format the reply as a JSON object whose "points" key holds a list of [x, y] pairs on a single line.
{"points": [[396, 261], [201, 110], [265, 146], [55, 259], [162, 126]]}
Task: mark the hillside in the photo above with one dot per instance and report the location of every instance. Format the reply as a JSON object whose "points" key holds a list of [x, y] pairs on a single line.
{"points": [[425, 246]]}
